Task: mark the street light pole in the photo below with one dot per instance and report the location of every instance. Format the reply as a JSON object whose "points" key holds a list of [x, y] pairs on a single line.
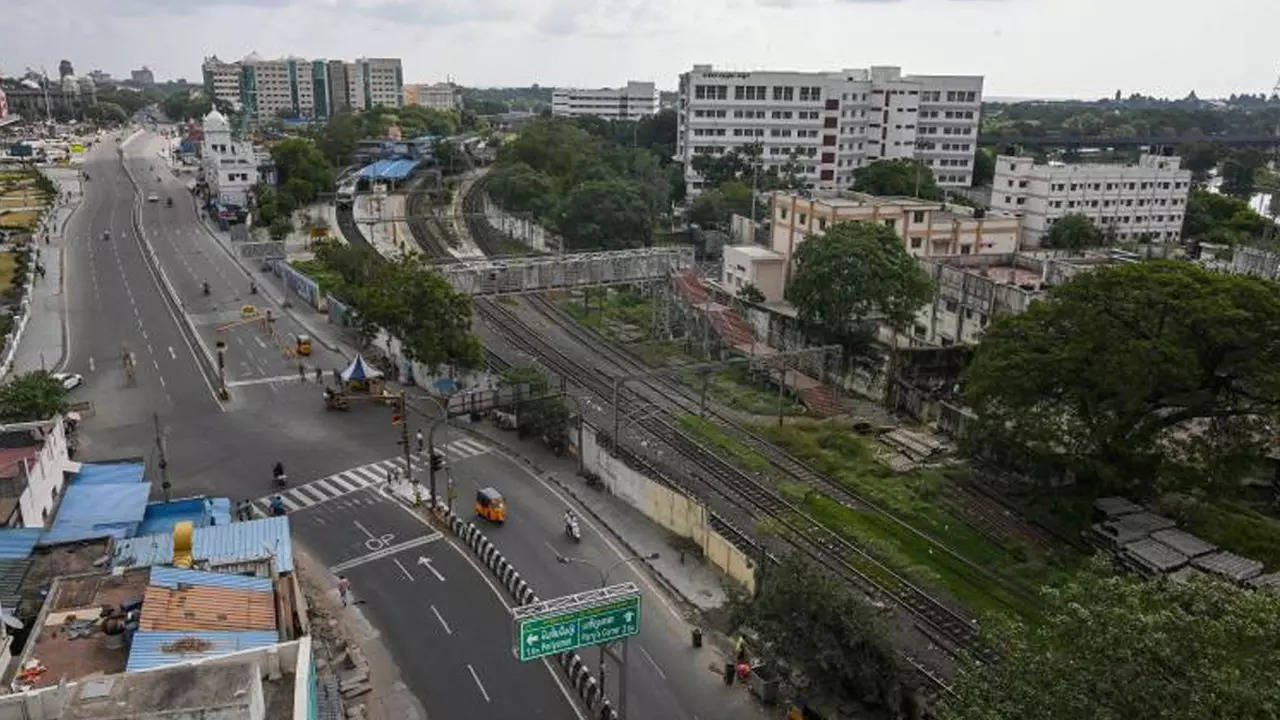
{"points": [[604, 582]]}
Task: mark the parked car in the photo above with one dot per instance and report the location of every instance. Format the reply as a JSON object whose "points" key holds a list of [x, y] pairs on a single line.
{"points": [[70, 381]]}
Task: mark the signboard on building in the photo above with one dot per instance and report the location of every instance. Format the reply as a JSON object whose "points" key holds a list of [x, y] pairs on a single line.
{"points": [[596, 617]]}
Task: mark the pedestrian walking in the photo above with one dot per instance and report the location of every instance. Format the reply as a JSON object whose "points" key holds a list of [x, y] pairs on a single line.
{"points": [[344, 589], [302, 372], [391, 475], [421, 442], [319, 375], [337, 377]]}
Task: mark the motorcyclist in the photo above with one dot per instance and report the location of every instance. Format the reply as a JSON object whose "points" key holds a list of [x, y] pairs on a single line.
{"points": [[253, 288], [106, 234], [278, 471], [205, 287]]}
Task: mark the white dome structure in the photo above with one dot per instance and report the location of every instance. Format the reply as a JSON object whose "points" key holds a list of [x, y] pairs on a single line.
{"points": [[216, 121]]}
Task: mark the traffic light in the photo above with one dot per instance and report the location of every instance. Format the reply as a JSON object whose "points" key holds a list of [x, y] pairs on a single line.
{"points": [[437, 460]]}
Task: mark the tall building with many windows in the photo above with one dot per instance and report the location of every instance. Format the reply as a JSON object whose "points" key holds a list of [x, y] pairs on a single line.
{"points": [[831, 123], [299, 88], [632, 102], [1144, 201]]}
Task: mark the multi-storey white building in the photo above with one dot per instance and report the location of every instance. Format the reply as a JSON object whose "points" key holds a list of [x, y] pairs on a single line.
{"points": [[437, 96], [831, 123], [229, 166], [636, 100], [1144, 201], [295, 87]]}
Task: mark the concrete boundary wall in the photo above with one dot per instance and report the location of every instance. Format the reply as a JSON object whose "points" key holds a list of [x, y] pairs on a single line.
{"points": [[521, 229], [669, 507]]}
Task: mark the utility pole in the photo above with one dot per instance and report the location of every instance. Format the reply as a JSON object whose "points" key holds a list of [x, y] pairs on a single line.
{"points": [[164, 460], [404, 436]]}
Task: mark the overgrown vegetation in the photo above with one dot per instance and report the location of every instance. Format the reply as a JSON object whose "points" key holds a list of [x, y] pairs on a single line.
{"points": [[31, 396], [546, 417], [578, 179]]}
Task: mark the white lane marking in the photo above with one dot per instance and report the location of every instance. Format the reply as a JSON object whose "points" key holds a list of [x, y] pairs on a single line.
{"points": [[480, 685], [260, 343], [426, 562], [649, 657], [356, 481], [172, 354], [161, 380], [323, 486], [404, 570], [447, 629], [471, 445], [262, 380], [90, 363], [363, 529], [385, 552], [298, 498], [288, 503]]}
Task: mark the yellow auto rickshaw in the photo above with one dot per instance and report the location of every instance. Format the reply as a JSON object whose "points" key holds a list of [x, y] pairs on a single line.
{"points": [[490, 505], [302, 344]]}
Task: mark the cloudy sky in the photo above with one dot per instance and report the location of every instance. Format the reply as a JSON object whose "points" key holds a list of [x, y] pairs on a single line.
{"points": [[1040, 48]]}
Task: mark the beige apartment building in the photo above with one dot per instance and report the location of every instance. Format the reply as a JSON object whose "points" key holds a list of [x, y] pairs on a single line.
{"points": [[927, 229]]}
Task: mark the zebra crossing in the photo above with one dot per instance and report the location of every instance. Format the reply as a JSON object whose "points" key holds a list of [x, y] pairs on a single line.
{"points": [[370, 475]]}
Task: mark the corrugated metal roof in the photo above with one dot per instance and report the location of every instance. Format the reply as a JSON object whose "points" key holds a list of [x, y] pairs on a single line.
{"points": [[171, 577], [248, 540], [12, 572], [200, 607], [218, 544], [17, 543], [152, 649], [160, 517], [103, 499]]}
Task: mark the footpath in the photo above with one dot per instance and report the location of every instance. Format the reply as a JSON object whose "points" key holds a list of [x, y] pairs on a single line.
{"points": [[44, 343]]}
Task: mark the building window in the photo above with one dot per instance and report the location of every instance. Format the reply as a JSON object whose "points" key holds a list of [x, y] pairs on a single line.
{"points": [[917, 216], [916, 243], [890, 223], [951, 306]]}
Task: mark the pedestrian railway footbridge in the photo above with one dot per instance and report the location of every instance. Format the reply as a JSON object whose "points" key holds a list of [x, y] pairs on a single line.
{"points": [[533, 274]]}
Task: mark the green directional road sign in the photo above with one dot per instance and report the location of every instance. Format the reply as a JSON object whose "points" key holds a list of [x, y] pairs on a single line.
{"points": [[573, 628]]}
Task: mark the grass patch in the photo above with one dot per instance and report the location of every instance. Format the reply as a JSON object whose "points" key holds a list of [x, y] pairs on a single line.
{"points": [[734, 388], [615, 306], [327, 279], [660, 352], [915, 498], [744, 456], [19, 220], [1237, 527], [8, 267]]}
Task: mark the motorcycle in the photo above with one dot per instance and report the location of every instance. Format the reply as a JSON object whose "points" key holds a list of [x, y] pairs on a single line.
{"points": [[572, 530], [253, 288], [205, 287], [281, 479]]}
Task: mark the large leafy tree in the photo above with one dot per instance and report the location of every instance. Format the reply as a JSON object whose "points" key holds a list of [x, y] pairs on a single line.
{"points": [[1135, 377], [856, 271], [1214, 217], [303, 169], [1128, 648], [605, 214], [31, 396], [1238, 170], [897, 177], [1072, 232], [815, 623], [520, 188], [547, 416]]}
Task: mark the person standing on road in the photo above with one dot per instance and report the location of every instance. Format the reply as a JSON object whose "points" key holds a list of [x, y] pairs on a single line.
{"points": [[319, 375], [344, 589], [302, 372]]}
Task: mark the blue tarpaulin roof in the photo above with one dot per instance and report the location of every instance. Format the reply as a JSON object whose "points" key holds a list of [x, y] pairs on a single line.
{"points": [[103, 499], [388, 169], [219, 545], [17, 543], [360, 370], [155, 648], [160, 517]]}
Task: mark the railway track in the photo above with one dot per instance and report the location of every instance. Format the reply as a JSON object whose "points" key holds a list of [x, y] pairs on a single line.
{"points": [[686, 399], [948, 628]]}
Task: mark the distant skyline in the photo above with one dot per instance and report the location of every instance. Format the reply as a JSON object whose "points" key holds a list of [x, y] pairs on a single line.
{"points": [[1083, 49]]}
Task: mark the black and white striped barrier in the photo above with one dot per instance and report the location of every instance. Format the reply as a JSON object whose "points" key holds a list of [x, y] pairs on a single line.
{"points": [[583, 682]]}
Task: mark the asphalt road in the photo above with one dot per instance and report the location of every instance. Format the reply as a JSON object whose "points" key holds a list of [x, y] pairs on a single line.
{"points": [[115, 301]]}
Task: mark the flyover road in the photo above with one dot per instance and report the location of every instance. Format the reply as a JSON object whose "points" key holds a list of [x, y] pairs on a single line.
{"points": [[115, 300]]}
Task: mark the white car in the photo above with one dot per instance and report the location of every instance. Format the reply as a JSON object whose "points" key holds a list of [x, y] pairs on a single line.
{"points": [[70, 381], [153, 198]]}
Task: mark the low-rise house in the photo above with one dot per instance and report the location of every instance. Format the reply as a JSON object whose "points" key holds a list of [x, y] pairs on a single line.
{"points": [[34, 461]]}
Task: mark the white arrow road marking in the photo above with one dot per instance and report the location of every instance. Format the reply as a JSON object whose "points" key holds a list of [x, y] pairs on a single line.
{"points": [[441, 619], [429, 566], [478, 683]]}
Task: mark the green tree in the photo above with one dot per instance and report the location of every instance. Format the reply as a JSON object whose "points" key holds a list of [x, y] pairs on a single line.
{"points": [[31, 396], [544, 417], [1200, 158], [304, 171], [709, 209], [338, 137], [751, 293], [1238, 170], [1072, 231], [519, 188], [834, 637], [107, 114], [1137, 377], [1114, 647], [605, 215], [1214, 217], [854, 272], [450, 157], [897, 177], [984, 166], [280, 227]]}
